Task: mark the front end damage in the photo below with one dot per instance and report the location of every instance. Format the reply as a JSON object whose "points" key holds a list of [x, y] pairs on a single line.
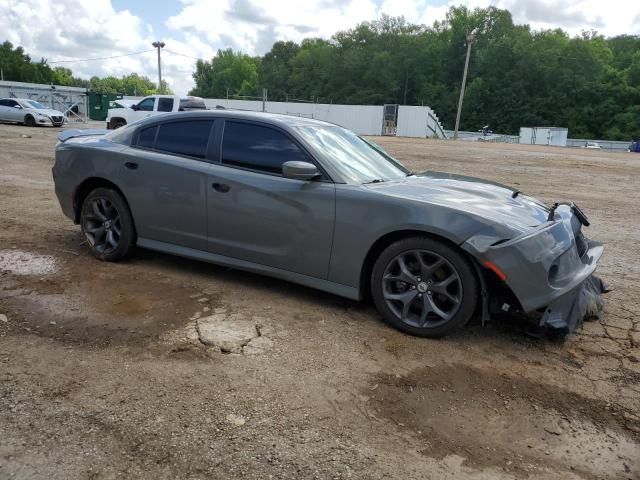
{"points": [[549, 270]]}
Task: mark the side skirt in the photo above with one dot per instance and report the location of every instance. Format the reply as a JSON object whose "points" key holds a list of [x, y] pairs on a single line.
{"points": [[317, 283]]}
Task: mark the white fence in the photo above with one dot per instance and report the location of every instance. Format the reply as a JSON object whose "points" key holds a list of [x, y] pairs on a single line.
{"points": [[412, 121]]}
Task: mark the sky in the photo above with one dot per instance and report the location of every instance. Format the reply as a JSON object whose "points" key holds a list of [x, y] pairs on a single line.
{"points": [[69, 31]]}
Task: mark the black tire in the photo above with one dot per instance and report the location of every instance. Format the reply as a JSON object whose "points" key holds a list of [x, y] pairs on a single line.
{"points": [[433, 306], [107, 225], [29, 121]]}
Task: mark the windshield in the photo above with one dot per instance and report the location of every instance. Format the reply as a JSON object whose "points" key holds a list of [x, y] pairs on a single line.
{"points": [[357, 159], [33, 104]]}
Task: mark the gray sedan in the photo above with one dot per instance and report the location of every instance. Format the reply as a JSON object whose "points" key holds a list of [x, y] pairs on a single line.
{"points": [[313, 203]]}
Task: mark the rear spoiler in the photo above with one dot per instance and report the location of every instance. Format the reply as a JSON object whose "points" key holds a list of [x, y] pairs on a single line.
{"points": [[67, 134]]}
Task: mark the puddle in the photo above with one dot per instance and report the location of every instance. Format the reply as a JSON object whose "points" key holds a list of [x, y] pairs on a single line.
{"points": [[27, 263]]}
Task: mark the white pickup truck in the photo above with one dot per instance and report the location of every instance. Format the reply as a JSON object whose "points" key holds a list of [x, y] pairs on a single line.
{"points": [[153, 105]]}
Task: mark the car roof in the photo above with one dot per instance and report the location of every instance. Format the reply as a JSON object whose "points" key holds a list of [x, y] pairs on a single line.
{"points": [[273, 118]]}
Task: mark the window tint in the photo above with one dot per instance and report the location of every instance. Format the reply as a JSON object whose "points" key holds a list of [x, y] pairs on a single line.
{"points": [[258, 148], [146, 105], [165, 104], [147, 136], [10, 103], [184, 138], [3, 103]]}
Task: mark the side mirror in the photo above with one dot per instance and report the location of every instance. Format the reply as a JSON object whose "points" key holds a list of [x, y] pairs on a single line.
{"points": [[134, 107], [18, 107], [300, 170]]}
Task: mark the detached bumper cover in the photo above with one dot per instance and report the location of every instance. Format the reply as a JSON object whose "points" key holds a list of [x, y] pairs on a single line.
{"points": [[550, 269], [568, 312]]}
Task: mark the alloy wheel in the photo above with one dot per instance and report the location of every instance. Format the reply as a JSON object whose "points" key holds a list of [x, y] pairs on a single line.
{"points": [[422, 288], [101, 225]]}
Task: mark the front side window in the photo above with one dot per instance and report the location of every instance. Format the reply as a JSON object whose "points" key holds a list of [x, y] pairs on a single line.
{"points": [[258, 148], [165, 104], [4, 103], [146, 105], [188, 138]]}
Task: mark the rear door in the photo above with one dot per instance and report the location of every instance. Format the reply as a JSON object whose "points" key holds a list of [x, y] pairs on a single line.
{"points": [[164, 176], [256, 214]]}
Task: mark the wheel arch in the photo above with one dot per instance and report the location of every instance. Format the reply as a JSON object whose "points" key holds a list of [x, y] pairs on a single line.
{"points": [[86, 187], [387, 239], [117, 120]]}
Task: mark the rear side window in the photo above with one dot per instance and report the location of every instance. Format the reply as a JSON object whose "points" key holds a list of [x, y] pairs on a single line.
{"points": [[147, 136], [4, 103], [165, 104], [184, 138], [258, 148]]}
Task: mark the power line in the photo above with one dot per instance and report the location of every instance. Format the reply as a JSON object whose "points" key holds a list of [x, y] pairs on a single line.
{"points": [[182, 54], [101, 58]]}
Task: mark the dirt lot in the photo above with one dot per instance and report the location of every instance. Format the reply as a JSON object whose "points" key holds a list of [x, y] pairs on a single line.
{"points": [[102, 374]]}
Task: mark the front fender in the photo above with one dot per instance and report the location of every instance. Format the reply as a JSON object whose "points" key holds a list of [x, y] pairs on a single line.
{"points": [[363, 217]]}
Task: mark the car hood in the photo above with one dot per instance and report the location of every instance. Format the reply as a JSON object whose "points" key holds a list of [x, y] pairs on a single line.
{"points": [[483, 198]]}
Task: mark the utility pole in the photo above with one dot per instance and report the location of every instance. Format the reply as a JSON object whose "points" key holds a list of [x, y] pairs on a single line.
{"points": [[159, 45], [471, 39]]}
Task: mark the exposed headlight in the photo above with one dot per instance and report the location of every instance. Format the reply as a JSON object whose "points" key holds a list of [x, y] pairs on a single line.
{"points": [[38, 114]]}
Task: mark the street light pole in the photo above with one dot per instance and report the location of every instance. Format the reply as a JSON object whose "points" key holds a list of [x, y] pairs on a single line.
{"points": [[471, 38], [159, 45]]}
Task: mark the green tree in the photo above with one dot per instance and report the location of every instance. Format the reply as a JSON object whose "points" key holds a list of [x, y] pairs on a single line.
{"points": [[228, 71]]}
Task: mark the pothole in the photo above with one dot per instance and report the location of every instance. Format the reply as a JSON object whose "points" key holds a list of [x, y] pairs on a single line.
{"points": [[20, 262]]}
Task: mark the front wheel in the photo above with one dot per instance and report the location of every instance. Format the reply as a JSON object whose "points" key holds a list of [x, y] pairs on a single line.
{"points": [[107, 225], [29, 121], [424, 287]]}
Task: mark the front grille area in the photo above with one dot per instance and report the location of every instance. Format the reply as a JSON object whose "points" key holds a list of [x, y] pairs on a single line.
{"points": [[56, 119]]}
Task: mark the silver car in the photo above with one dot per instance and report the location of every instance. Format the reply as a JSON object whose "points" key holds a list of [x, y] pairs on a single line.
{"points": [[313, 203], [29, 112]]}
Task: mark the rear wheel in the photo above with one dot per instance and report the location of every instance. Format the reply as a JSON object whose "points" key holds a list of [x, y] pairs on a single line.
{"points": [[107, 225], [424, 287], [29, 121]]}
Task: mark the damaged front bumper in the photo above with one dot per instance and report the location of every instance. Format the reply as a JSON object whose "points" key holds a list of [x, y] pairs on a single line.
{"points": [[549, 269]]}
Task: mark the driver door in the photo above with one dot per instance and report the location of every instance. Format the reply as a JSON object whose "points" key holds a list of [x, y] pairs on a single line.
{"points": [[145, 109], [14, 112], [256, 214]]}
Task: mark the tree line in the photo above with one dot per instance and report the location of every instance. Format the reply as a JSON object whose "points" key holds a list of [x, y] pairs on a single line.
{"points": [[517, 76], [17, 66]]}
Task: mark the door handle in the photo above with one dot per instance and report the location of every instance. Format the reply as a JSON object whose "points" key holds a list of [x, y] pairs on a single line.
{"points": [[221, 187], [131, 165]]}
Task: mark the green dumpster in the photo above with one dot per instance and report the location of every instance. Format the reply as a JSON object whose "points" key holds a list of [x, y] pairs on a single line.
{"points": [[99, 104]]}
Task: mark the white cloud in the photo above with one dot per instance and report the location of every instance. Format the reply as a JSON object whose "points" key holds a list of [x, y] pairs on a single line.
{"points": [[74, 29]]}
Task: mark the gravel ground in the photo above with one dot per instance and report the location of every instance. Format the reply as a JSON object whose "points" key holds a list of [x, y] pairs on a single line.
{"points": [[104, 374]]}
